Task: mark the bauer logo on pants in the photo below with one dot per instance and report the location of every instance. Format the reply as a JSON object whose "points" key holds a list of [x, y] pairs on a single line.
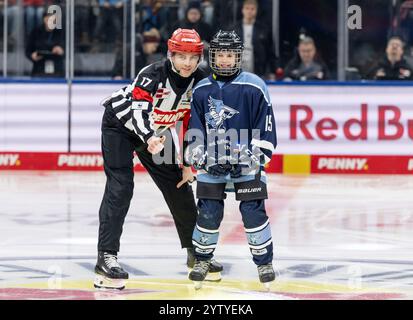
{"points": [[249, 190]]}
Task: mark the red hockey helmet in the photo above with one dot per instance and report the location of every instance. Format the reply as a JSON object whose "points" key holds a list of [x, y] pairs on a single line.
{"points": [[185, 40]]}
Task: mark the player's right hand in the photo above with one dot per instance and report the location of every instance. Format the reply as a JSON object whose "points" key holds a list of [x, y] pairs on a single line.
{"points": [[156, 144]]}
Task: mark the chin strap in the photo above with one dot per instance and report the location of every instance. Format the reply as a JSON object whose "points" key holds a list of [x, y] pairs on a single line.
{"points": [[172, 64], [218, 77]]}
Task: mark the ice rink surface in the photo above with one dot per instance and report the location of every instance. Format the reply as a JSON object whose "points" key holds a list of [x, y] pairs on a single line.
{"points": [[336, 237]]}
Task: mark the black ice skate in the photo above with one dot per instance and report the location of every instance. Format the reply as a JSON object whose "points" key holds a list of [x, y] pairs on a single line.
{"points": [[199, 272], [266, 274], [215, 268], [109, 273]]}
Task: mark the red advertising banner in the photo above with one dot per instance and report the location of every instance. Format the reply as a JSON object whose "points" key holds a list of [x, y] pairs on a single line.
{"points": [[91, 161], [362, 164], [323, 164]]}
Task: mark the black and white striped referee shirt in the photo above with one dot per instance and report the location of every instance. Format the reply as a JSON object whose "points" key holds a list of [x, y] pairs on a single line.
{"points": [[155, 100]]}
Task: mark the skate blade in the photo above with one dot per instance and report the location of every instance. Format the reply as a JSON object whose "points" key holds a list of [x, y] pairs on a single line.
{"points": [[198, 285], [211, 276], [102, 282], [267, 285]]}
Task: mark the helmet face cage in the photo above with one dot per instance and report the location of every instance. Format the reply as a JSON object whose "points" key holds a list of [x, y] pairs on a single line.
{"points": [[225, 71]]}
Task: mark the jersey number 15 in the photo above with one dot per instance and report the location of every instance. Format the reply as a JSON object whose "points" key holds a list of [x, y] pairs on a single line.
{"points": [[268, 123]]}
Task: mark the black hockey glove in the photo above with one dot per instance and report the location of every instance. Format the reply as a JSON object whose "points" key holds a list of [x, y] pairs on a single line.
{"points": [[201, 161], [219, 170], [237, 169]]}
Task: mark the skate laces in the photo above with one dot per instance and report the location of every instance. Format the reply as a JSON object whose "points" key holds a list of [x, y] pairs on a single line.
{"points": [[201, 266], [111, 261], [265, 268]]}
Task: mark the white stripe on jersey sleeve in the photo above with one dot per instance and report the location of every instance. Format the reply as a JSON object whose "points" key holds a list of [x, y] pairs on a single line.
{"points": [[175, 139], [122, 113], [129, 125], [119, 103], [137, 114], [263, 144], [120, 92], [267, 99]]}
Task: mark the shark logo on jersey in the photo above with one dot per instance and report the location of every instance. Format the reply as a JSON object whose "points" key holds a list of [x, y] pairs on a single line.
{"points": [[204, 239], [218, 113]]}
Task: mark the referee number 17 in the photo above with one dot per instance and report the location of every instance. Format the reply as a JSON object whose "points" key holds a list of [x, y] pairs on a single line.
{"points": [[145, 82], [268, 123]]}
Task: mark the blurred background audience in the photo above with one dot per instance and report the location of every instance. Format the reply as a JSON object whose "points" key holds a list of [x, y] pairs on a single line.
{"points": [[296, 41]]}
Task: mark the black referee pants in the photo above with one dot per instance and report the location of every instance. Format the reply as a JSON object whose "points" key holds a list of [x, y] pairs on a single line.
{"points": [[118, 145]]}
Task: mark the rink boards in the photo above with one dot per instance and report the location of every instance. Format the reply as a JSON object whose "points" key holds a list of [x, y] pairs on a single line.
{"points": [[358, 129], [287, 164]]}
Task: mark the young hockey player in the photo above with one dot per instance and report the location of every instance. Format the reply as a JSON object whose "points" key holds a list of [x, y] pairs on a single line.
{"points": [[232, 136], [136, 119]]}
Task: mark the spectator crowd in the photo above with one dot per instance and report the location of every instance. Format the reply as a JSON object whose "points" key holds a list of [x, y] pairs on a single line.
{"points": [[100, 28]]}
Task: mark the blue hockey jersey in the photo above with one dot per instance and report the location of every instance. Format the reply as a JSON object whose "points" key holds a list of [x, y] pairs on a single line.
{"points": [[243, 105]]}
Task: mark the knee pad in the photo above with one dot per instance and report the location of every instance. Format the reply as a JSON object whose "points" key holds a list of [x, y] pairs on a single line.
{"points": [[210, 213], [253, 213]]}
